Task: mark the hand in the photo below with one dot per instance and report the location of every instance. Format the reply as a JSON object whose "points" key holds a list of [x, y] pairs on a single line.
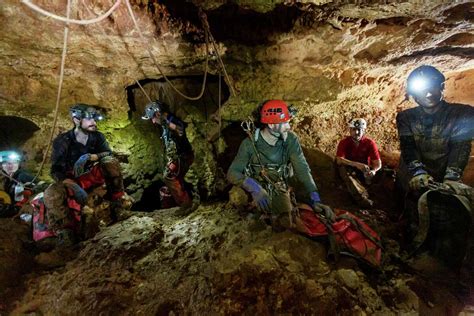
{"points": [[420, 181], [94, 157], [80, 165], [321, 208], [259, 194], [363, 167], [325, 210]]}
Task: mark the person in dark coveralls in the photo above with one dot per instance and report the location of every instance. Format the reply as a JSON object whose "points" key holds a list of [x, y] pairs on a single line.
{"points": [[435, 142], [178, 151], [81, 160]]}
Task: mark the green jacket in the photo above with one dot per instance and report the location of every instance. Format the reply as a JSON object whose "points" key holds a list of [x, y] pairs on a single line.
{"points": [[283, 154]]}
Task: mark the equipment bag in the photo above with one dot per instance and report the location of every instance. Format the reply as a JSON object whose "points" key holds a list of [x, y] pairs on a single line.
{"points": [[40, 220], [348, 233]]}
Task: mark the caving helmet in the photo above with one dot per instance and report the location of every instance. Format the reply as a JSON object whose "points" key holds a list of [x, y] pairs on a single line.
{"points": [[84, 111], [275, 112], [424, 78], [358, 123], [151, 109], [9, 156]]}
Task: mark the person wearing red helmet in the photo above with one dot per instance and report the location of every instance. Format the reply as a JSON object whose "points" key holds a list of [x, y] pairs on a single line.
{"points": [[266, 161]]}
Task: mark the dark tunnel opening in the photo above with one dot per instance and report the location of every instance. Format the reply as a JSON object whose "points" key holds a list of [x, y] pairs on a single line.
{"points": [[15, 131], [200, 112]]}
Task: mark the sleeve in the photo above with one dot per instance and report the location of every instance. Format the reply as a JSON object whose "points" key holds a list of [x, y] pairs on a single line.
{"points": [[58, 158], [460, 144], [102, 144], [341, 149], [408, 148], [236, 172], [374, 151], [300, 166]]}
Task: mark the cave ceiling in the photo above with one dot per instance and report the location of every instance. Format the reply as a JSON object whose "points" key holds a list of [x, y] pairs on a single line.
{"points": [[332, 60]]}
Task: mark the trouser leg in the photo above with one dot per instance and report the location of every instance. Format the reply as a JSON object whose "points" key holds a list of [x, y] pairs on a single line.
{"points": [[355, 188], [113, 177], [281, 207], [57, 210]]}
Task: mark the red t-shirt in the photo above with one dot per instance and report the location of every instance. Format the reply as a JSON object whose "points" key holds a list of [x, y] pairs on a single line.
{"points": [[365, 152]]}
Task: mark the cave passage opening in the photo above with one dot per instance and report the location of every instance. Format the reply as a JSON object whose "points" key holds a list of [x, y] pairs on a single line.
{"points": [[15, 131], [199, 112]]}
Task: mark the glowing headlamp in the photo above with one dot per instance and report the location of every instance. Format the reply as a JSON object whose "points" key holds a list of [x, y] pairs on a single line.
{"points": [[419, 85], [93, 115], [9, 156]]}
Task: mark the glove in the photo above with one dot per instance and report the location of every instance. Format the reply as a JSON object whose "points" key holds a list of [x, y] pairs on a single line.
{"points": [[80, 195], [259, 194], [80, 165], [420, 181], [321, 208]]}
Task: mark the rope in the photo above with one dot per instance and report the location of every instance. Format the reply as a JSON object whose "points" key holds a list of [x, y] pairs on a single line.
{"points": [[206, 32], [115, 48], [67, 20], [219, 118], [205, 23], [58, 97], [143, 90]]}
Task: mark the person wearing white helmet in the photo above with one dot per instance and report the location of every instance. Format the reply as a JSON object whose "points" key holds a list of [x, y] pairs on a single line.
{"points": [[358, 161], [14, 179]]}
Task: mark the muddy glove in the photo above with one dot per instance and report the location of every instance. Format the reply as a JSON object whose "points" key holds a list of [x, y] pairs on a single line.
{"points": [[318, 207], [80, 165], [420, 181], [259, 194]]}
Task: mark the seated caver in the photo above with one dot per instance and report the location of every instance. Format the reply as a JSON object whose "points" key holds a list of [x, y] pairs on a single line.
{"points": [[358, 161], [17, 184], [81, 160], [435, 143]]}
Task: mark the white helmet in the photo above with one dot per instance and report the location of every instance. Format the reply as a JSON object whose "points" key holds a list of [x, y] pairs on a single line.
{"points": [[358, 123]]}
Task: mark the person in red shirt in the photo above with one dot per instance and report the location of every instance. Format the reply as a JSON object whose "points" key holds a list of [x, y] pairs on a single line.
{"points": [[358, 161]]}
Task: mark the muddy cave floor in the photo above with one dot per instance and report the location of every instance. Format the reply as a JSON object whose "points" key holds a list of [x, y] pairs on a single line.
{"points": [[221, 260]]}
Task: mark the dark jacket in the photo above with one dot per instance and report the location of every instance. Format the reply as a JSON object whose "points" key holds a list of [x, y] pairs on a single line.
{"points": [[438, 143], [66, 151]]}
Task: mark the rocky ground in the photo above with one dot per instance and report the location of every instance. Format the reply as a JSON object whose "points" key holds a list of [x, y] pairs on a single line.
{"points": [[217, 260]]}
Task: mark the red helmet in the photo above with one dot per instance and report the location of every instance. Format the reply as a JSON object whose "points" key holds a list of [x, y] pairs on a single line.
{"points": [[274, 112]]}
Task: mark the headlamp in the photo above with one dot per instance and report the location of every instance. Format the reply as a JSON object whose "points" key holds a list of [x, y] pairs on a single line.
{"points": [[419, 84], [93, 115], [9, 156]]}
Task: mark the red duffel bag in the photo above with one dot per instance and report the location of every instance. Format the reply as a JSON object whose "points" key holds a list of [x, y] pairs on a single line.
{"points": [[348, 233]]}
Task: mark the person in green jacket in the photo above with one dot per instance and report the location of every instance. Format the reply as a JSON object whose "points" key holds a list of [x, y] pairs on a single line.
{"points": [[265, 162]]}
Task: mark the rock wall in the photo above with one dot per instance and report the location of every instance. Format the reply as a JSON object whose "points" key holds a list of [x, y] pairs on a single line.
{"points": [[333, 61]]}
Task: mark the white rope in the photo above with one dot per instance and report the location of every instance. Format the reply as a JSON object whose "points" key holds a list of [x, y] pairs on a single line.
{"points": [[58, 97], [67, 19], [156, 63]]}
